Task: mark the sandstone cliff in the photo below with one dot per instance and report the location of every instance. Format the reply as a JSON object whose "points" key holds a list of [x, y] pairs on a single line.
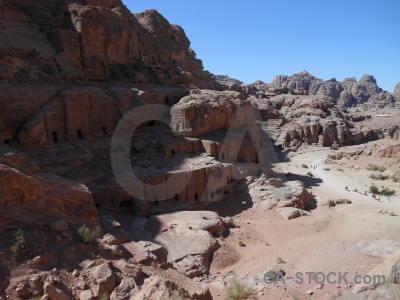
{"points": [[94, 40], [292, 120], [203, 112], [348, 93], [70, 69]]}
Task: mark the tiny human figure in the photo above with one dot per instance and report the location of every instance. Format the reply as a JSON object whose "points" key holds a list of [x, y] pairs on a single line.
{"points": [[355, 190], [346, 187], [365, 193]]}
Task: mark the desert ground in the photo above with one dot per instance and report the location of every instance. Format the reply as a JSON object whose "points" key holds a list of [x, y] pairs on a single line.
{"points": [[351, 238]]}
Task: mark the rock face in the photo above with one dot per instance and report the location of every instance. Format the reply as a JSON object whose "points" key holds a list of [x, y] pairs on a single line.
{"points": [[24, 193], [185, 241], [397, 92], [388, 151], [291, 120], [53, 115], [51, 46], [206, 111], [308, 119], [297, 82], [347, 93], [97, 40], [189, 240], [273, 193]]}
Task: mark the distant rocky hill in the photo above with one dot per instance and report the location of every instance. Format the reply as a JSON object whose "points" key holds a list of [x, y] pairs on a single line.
{"points": [[347, 93], [225, 79]]}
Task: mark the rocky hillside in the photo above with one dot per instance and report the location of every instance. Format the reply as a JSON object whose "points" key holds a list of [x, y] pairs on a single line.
{"points": [[64, 41], [292, 120], [347, 93], [65, 67]]}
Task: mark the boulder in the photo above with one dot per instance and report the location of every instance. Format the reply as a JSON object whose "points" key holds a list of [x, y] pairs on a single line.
{"points": [[273, 193], [206, 111], [104, 278], [54, 293], [126, 290], [189, 241], [155, 288], [292, 213], [129, 270], [149, 252]]}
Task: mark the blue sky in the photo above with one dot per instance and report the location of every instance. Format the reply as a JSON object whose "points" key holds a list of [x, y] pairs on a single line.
{"points": [[251, 40]]}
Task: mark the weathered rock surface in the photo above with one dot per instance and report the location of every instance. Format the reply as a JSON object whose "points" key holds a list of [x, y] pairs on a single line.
{"points": [[292, 212], [50, 51], [273, 193], [389, 290], [182, 239], [347, 93], [104, 278], [397, 92], [332, 202], [96, 40], [23, 195], [27, 285], [71, 114], [55, 293], [390, 150], [146, 252], [205, 111], [292, 120], [189, 240], [86, 295], [155, 288], [126, 290]]}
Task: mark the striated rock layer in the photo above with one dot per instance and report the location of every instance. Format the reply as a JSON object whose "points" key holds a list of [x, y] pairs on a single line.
{"points": [[95, 40]]}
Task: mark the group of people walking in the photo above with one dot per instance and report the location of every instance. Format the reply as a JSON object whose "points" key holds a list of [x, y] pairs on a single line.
{"points": [[315, 166], [366, 194]]}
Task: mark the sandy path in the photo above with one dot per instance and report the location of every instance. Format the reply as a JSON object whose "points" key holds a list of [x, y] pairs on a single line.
{"points": [[327, 241]]}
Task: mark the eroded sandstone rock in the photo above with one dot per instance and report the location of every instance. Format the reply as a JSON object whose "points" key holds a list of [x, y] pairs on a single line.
{"points": [[23, 196], [278, 194], [104, 278], [125, 290], [206, 111], [155, 288]]}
